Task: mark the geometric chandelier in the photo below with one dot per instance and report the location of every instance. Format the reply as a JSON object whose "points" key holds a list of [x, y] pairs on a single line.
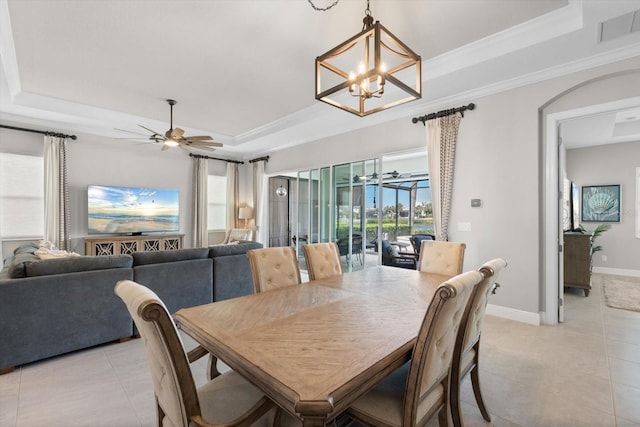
{"points": [[370, 72]]}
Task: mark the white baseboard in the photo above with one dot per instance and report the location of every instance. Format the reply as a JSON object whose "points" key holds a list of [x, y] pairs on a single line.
{"points": [[513, 314], [617, 271]]}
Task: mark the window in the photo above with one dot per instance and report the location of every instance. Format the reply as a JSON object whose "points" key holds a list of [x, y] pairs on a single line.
{"points": [[217, 202], [21, 196], [407, 208]]}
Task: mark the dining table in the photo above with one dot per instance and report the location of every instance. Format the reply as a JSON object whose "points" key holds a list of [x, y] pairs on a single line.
{"points": [[316, 347]]}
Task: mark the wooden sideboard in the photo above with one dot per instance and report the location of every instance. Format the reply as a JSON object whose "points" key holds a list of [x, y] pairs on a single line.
{"points": [[116, 245], [577, 261]]}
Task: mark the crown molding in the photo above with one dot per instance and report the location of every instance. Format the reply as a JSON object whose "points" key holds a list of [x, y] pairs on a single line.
{"points": [[538, 30]]}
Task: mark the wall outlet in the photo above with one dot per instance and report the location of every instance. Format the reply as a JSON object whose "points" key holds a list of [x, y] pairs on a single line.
{"points": [[604, 258]]}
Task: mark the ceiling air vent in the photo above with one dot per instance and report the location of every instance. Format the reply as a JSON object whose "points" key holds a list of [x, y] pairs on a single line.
{"points": [[620, 26]]}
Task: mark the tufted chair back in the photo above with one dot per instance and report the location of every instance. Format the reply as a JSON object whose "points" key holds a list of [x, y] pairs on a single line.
{"points": [[173, 384], [273, 268], [478, 304], [427, 383], [441, 257], [467, 347], [323, 260]]}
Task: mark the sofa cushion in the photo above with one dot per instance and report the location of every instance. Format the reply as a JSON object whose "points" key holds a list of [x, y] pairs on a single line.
{"points": [[17, 266], [143, 258], [226, 250], [76, 264]]}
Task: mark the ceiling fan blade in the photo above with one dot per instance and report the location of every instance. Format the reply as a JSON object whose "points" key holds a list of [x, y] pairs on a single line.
{"points": [[203, 143], [150, 130], [134, 139], [129, 131], [199, 138]]}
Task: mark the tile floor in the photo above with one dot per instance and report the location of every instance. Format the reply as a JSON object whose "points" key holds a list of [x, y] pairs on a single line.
{"points": [[585, 372]]}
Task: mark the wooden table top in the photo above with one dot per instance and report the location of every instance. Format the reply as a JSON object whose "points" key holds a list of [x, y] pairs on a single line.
{"points": [[316, 347]]}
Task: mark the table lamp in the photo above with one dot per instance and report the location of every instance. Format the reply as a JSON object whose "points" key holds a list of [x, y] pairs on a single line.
{"points": [[245, 213]]}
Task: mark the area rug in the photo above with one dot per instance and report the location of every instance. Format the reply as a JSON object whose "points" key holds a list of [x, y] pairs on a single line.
{"points": [[622, 292]]}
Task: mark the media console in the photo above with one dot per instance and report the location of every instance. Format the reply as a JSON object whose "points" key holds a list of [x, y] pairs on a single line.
{"points": [[116, 245]]}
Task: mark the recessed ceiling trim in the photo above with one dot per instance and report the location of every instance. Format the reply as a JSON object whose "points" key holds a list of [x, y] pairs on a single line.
{"points": [[543, 28], [8, 58], [303, 118]]}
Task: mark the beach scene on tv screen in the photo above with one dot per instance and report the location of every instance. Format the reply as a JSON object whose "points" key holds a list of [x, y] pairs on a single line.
{"points": [[132, 210]]}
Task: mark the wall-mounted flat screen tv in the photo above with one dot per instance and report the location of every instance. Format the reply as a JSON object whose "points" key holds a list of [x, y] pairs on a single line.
{"points": [[134, 210]]}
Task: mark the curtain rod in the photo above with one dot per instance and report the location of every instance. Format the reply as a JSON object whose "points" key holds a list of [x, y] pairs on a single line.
{"points": [[200, 156], [257, 159], [443, 113], [43, 132]]}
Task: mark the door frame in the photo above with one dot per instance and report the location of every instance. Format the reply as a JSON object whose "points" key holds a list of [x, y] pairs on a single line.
{"points": [[551, 197]]}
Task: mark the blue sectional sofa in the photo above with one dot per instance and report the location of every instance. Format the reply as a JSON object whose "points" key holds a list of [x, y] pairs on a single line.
{"points": [[52, 307]]}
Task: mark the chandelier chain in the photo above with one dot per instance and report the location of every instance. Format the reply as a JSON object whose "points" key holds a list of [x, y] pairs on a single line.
{"points": [[322, 9], [368, 18]]}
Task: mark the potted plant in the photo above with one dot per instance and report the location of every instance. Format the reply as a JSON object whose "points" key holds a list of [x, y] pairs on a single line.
{"points": [[594, 235]]}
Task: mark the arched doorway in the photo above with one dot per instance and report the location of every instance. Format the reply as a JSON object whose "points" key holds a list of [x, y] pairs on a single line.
{"points": [[606, 93]]}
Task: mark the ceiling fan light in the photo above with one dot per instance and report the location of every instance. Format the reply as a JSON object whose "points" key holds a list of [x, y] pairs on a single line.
{"points": [[171, 143]]}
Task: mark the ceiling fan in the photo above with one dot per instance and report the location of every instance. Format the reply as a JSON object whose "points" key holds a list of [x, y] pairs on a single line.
{"points": [[396, 175], [175, 137]]}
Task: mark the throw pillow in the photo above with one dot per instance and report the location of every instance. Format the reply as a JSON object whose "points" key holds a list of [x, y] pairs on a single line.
{"points": [[238, 234]]}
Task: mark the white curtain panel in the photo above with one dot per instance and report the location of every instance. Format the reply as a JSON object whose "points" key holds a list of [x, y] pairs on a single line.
{"points": [[433, 157], [258, 203], [442, 135], [233, 195], [56, 193], [200, 179]]}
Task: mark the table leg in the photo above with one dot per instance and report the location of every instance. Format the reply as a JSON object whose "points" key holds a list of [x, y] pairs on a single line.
{"points": [[314, 413], [313, 421]]}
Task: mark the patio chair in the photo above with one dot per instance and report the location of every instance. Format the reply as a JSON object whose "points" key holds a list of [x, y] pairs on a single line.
{"points": [[356, 247], [416, 241], [391, 256]]}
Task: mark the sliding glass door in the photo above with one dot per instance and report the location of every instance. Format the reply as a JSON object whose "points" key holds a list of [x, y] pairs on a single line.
{"points": [[338, 204], [357, 205]]}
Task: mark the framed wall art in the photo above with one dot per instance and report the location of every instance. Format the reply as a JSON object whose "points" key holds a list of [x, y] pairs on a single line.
{"points": [[600, 203]]}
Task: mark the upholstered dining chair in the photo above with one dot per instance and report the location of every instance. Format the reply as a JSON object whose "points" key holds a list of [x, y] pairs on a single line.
{"points": [[467, 349], [228, 399], [273, 268], [323, 260], [441, 257], [418, 390]]}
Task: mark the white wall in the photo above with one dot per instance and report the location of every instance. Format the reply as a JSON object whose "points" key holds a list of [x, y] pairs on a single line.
{"points": [[603, 165], [499, 160], [98, 160]]}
